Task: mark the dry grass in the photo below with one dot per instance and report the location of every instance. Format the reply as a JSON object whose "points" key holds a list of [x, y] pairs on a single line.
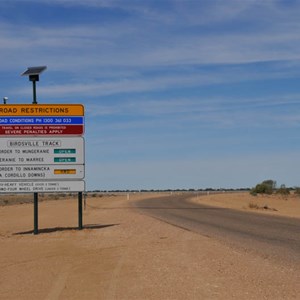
{"points": [[253, 205], [13, 199]]}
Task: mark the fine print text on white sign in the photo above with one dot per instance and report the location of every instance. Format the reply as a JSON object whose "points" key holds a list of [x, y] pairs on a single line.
{"points": [[41, 172], [41, 151], [42, 186]]}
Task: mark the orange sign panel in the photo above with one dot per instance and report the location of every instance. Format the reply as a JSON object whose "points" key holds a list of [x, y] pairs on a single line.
{"points": [[41, 110], [64, 171]]}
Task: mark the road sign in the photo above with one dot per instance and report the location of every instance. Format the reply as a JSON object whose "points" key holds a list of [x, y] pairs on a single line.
{"points": [[41, 130], [41, 151], [41, 120], [50, 125], [42, 186], [7, 110], [41, 172]]}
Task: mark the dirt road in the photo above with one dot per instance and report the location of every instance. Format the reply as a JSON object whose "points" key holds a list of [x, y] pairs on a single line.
{"points": [[270, 236], [124, 254]]}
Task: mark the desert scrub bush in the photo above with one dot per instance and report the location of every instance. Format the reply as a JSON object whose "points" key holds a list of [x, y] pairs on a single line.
{"points": [[253, 205], [297, 191], [265, 187], [265, 207], [283, 190], [54, 196]]}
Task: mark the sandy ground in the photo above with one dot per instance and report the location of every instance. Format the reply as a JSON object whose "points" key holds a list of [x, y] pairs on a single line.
{"points": [[123, 254], [288, 206]]}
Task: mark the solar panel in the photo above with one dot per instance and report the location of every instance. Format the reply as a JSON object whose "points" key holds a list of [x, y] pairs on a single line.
{"points": [[34, 71]]}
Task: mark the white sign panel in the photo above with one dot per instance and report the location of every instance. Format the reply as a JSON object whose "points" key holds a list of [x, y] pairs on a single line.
{"points": [[42, 186], [41, 151], [41, 172]]}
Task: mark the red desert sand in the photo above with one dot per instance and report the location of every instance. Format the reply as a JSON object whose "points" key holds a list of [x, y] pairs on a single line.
{"points": [[124, 254]]}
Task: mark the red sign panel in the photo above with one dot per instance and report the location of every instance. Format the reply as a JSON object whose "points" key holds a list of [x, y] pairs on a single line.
{"points": [[41, 130]]}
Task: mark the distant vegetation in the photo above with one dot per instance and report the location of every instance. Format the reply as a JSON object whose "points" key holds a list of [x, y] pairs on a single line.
{"points": [[283, 190], [269, 187], [265, 187], [171, 190]]}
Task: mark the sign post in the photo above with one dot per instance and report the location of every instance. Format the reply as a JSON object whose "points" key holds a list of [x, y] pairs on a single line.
{"points": [[36, 213], [33, 74], [80, 210], [42, 150]]}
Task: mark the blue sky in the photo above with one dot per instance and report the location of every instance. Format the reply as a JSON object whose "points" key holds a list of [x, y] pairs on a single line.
{"points": [[178, 93]]}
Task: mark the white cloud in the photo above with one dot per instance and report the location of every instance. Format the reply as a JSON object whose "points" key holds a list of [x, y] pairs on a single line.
{"points": [[198, 113], [140, 42], [135, 81]]}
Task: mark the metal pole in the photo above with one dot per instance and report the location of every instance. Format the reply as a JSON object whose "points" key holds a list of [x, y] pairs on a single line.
{"points": [[80, 210], [33, 73], [36, 213], [35, 195], [34, 92]]}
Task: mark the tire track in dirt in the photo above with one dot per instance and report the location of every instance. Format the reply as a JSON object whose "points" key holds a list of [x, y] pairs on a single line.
{"points": [[60, 283], [111, 293]]}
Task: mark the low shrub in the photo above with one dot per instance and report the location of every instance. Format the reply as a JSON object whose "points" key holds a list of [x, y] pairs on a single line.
{"points": [[283, 191], [297, 191], [253, 205]]}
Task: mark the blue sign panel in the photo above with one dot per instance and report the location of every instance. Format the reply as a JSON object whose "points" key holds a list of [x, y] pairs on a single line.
{"points": [[41, 120]]}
